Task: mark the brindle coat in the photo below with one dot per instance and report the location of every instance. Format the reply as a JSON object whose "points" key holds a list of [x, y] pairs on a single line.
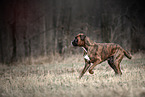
{"points": [[99, 52]]}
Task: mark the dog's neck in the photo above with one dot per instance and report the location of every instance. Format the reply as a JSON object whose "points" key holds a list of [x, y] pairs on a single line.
{"points": [[87, 43]]}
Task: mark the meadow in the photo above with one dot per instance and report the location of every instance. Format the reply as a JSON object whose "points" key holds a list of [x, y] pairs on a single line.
{"points": [[60, 78]]}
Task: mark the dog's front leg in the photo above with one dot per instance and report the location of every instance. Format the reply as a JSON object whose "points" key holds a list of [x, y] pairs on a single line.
{"points": [[92, 67], [87, 65]]}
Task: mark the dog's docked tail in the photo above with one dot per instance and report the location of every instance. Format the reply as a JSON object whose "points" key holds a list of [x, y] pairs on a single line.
{"points": [[127, 54]]}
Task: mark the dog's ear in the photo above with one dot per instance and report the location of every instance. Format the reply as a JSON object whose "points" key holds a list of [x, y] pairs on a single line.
{"points": [[82, 37]]}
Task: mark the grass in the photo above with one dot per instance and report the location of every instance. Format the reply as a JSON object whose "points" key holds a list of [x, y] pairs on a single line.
{"points": [[60, 78]]}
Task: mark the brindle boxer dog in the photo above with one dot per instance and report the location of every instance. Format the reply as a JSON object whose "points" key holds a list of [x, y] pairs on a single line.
{"points": [[95, 53]]}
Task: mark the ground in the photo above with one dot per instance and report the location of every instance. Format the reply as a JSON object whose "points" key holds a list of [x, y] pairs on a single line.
{"points": [[61, 78]]}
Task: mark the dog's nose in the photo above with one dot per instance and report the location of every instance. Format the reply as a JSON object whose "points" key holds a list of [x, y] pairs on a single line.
{"points": [[74, 43]]}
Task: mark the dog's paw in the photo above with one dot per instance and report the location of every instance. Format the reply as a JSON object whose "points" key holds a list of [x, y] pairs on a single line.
{"points": [[91, 71]]}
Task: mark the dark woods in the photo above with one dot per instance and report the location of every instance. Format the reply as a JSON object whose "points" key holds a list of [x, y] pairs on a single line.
{"points": [[32, 28]]}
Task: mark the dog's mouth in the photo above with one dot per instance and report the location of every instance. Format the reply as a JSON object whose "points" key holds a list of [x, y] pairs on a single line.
{"points": [[74, 43]]}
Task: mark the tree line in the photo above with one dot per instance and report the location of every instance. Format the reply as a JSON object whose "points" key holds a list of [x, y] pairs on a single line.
{"points": [[33, 28]]}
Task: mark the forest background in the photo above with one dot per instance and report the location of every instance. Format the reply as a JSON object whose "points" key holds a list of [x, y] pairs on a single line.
{"points": [[34, 28]]}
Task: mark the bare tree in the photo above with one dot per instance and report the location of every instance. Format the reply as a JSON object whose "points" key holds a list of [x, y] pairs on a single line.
{"points": [[44, 36], [1, 49], [14, 52], [25, 39], [115, 28]]}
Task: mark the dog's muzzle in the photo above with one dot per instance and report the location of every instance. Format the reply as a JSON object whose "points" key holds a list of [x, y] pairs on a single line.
{"points": [[74, 43]]}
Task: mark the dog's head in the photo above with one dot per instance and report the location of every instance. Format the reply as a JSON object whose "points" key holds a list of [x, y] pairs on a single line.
{"points": [[79, 40]]}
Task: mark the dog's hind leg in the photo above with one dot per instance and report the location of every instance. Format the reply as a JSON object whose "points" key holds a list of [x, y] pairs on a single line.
{"points": [[111, 63], [117, 59]]}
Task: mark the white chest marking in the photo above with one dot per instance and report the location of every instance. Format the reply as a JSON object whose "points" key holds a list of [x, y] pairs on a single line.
{"points": [[87, 57]]}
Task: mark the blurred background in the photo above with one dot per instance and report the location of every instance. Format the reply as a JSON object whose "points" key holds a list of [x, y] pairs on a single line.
{"points": [[33, 28]]}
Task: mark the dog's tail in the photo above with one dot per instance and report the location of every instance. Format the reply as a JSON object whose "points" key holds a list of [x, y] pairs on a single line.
{"points": [[127, 54]]}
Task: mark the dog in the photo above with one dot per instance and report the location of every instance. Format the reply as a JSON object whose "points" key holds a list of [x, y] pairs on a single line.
{"points": [[96, 53]]}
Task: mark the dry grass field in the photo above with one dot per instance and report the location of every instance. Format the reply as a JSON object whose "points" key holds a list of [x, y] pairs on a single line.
{"points": [[60, 79]]}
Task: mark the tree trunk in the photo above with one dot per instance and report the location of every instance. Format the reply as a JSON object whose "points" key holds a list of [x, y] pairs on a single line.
{"points": [[44, 36], [29, 46], [14, 52], [13, 28], [25, 30], [55, 26], [1, 49]]}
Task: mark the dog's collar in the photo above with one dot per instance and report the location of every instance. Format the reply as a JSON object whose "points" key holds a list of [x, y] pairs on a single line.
{"points": [[84, 49]]}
